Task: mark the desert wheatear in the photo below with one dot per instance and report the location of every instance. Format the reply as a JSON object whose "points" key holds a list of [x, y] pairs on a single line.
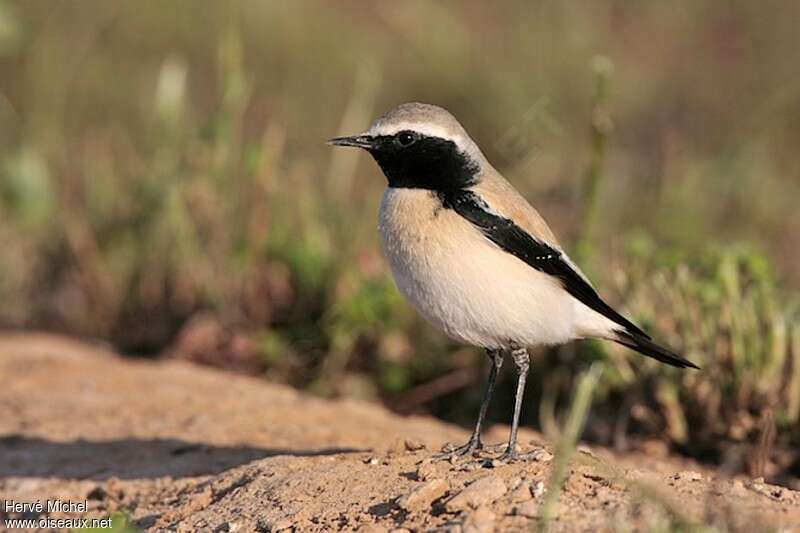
{"points": [[474, 258]]}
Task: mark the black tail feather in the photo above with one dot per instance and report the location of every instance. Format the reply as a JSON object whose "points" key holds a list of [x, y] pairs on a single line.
{"points": [[649, 348]]}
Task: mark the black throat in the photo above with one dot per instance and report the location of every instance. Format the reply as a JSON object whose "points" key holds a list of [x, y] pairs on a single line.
{"points": [[430, 163]]}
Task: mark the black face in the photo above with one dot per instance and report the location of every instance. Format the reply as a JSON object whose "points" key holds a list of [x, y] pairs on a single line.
{"points": [[412, 160]]}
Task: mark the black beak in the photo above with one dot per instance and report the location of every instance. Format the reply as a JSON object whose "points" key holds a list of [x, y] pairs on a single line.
{"points": [[359, 141]]}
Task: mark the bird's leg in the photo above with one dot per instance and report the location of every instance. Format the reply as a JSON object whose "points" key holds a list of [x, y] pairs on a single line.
{"points": [[474, 442], [523, 362]]}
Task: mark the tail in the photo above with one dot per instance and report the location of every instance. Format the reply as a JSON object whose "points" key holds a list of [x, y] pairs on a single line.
{"points": [[649, 348]]}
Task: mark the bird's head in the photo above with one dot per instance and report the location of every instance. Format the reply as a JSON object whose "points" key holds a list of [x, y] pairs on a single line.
{"points": [[421, 146]]}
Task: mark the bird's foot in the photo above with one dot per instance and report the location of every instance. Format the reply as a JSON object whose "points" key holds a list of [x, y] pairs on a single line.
{"points": [[451, 452], [513, 456], [510, 454]]}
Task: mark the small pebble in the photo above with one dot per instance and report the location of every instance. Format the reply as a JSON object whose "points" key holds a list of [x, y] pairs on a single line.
{"points": [[538, 489], [372, 461], [401, 446], [542, 456], [413, 445], [426, 470], [423, 496]]}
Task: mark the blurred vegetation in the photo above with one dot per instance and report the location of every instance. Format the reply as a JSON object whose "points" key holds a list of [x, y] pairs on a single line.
{"points": [[164, 185], [567, 443]]}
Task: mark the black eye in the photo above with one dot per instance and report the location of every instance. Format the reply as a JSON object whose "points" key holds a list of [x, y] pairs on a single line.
{"points": [[405, 138]]}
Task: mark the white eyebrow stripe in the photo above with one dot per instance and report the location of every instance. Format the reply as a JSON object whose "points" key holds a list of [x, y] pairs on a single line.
{"points": [[431, 130]]}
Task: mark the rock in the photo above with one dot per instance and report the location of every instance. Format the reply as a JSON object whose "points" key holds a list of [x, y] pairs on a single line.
{"points": [[426, 470], [538, 489], [483, 491], [400, 446], [413, 445], [479, 521], [541, 456], [529, 509], [423, 496]]}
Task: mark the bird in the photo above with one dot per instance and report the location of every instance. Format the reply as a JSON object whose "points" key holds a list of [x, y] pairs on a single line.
{"points": [[476, 259]]}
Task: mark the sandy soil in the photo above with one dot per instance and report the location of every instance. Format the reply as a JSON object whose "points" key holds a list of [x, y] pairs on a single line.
{"points": [[187, 448]]}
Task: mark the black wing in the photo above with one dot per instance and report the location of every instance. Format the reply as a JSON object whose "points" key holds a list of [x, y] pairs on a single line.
{"points": [[539, 255]]}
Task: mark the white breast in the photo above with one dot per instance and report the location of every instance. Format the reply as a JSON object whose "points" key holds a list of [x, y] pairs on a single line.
{"points": [[463, 283]]}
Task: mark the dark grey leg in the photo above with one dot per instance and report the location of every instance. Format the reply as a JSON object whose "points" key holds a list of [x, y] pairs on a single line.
{"points": [[474, 442], [523, 362]]}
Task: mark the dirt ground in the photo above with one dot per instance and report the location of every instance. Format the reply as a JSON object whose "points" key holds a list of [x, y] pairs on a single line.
{"points": [[186, 448]]}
